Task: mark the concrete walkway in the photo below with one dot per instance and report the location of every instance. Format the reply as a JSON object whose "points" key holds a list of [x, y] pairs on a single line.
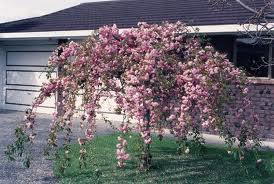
{"points": [[214, 139], [40, 171]]}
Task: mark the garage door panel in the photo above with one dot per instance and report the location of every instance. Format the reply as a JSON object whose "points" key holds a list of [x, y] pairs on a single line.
{"points": [[30, 48], [108, 105], [27, 58], [26, 97], [31, 45], [26, 78]]}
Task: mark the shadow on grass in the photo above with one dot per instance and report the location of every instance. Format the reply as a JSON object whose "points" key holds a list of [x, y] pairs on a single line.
{"points": [[215, 166]]}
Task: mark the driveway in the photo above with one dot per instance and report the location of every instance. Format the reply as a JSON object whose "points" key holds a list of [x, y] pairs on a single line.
{"points": [[40, 171]]}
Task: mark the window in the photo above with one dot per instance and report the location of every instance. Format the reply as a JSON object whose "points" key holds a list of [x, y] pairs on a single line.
{"points": [[254, 58]]}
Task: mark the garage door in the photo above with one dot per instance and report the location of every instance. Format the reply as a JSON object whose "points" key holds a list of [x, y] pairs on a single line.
{"points": [[24, 73]]}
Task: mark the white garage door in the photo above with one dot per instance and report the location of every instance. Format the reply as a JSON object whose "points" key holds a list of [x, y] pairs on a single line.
{"points": [[24, 74]]}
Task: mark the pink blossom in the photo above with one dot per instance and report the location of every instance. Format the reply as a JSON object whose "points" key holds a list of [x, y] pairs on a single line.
{"points": [[154, 74]]}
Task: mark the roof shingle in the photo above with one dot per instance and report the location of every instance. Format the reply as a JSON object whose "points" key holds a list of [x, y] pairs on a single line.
{"points": [[127, 13]]}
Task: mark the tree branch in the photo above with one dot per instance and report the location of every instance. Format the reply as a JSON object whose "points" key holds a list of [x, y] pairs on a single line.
{"points": [[253, 10], [246, 7]]}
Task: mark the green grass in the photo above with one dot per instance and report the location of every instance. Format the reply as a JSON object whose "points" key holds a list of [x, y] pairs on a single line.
{"points": [[215, 166]]}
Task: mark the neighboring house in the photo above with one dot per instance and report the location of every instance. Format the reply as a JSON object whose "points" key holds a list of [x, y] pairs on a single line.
{"points": [[25, 45]]}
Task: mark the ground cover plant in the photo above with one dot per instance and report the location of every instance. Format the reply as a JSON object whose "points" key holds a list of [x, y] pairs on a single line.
{"points": [[160, 77]]}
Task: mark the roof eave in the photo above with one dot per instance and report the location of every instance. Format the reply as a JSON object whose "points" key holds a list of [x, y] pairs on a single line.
{"points": [[46, 34], [205, 29]]}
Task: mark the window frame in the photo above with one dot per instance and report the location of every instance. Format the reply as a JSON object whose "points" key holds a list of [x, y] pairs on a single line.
{"points": [[270, 59]]}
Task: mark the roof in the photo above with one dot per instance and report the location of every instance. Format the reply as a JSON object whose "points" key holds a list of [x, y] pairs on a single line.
{"points": [[127, 13]]}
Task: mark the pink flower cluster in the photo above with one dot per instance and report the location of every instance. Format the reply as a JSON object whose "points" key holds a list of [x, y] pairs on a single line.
{"points": [[121, 154], [161, 77]]}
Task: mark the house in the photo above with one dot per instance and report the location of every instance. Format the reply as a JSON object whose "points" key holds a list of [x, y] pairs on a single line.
{"points": [[25, 45]]}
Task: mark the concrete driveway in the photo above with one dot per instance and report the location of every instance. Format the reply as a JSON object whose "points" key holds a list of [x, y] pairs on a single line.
{"points": [[14, 172], [40, 171]]}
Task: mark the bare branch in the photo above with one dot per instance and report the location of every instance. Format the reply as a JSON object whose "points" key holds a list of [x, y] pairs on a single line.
{"points": [[246, 7], [266, 15]]}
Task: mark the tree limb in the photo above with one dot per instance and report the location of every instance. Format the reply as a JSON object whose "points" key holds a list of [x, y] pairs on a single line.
{"points": [[270, 16]]}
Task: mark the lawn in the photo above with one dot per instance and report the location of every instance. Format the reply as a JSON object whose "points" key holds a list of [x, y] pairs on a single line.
{"points": [[214, 166]]}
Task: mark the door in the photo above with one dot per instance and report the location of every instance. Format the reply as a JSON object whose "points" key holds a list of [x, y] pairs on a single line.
{"points": [[24, 73]]}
